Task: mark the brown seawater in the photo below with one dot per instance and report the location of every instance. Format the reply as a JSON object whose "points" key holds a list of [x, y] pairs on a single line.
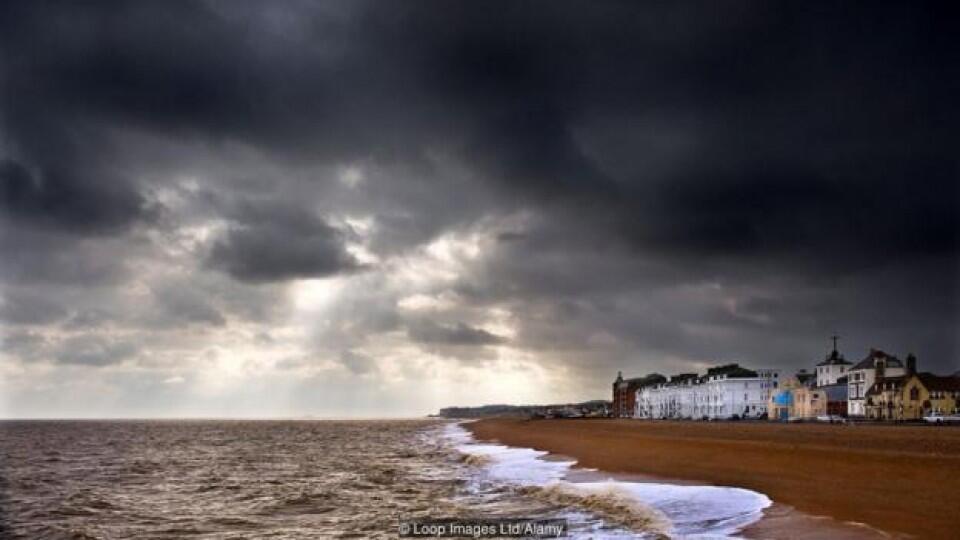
{"points": [[246, 479]]}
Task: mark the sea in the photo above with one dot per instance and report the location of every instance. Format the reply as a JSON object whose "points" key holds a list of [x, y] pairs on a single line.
{"points": [[234, 479]]}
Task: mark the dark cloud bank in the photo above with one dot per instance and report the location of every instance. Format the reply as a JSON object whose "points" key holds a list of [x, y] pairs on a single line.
{"points": [[702, 181]]}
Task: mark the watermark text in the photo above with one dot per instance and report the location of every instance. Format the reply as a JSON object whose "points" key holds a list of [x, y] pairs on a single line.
{"points": [[483, 528]]}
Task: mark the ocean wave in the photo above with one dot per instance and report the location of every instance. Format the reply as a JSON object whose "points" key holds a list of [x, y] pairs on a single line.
{"points": [[687, 511], [476, 460], [222, 479], [613, 503]]}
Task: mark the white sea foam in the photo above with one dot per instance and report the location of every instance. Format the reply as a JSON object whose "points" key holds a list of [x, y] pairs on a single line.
{"points": [[679, 511]]}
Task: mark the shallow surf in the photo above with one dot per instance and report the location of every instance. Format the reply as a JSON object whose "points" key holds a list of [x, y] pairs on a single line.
{"points": [[648, 509]]}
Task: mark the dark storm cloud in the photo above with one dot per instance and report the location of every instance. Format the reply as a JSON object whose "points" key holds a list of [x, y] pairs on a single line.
{"points": [[824, 116], [458, 334], [55, 199], [278, 243], [706, 179]]}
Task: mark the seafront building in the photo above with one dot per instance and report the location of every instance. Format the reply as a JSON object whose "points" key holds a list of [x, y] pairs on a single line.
{"points": [[724, 392], [879, 387], [862, 376], [912, 396], [812, 402], [833, 367], [823, 393], [625, 392], [782, 404], [820, 394], [808, 402]]}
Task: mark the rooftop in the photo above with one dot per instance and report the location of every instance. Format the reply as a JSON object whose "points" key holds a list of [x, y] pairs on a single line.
{"points": [[732, 371], [652, 378], [950, 383], [876, 354]]}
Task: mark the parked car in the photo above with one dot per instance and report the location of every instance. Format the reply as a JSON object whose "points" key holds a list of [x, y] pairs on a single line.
{"points": [[831, 418], [939, 418]]}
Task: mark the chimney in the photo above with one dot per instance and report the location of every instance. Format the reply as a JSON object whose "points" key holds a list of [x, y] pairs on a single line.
{"points": [[911, 364]]}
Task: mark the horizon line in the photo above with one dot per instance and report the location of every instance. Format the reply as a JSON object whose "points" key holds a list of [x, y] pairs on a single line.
{"points": [[203, 418]]}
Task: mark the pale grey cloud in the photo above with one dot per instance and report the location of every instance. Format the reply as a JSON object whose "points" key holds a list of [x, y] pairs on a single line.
{"points": [[17, 307], [94, 351], [357, 363]]}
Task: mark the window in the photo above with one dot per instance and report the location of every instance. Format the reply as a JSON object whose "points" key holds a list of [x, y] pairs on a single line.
{"points": [[914, 393]]}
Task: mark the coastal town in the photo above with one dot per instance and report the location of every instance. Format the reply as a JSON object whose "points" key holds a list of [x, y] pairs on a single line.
{"points": [[872, 425], [880, 387]]}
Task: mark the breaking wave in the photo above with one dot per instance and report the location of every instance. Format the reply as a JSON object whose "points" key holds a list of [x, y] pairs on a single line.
{"points": [[476, 460], [650, 508], [612, 503]]}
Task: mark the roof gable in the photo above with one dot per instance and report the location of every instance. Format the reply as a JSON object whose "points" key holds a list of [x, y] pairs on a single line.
{"points": [[876, 354]]}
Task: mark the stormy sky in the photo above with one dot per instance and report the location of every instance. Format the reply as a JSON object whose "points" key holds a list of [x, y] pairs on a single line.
{"points": [[380, 208]]}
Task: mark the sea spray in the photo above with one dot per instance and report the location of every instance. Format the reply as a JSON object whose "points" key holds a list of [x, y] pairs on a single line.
{"points": [[655, 509], [476, 460], [614, 504]]}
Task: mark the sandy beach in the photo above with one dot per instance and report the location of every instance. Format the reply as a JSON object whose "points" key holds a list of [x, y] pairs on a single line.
{"points": [[899, 479]]}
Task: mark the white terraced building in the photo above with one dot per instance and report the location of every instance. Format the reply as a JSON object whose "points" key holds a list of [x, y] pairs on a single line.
{"points": [[722, 393]]}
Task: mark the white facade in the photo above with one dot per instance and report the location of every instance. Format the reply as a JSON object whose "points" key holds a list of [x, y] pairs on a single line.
{"points": [[716, 396], [828, 374], [771, 381], [665, 400]]}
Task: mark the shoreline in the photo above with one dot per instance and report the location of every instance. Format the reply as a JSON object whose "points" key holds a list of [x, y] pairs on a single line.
{"points": [[862, 482], [777, 519]]}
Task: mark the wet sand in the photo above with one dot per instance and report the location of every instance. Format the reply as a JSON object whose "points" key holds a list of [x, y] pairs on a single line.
{"points": [[900, 479]]}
